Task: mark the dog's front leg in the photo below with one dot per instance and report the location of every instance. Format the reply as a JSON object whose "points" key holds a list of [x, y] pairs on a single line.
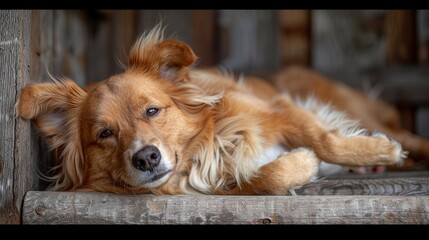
{"points": [[289, 170], [301, 128]]}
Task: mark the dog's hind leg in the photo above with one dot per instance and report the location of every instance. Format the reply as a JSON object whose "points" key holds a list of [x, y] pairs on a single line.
{"points": [[289, 170]]}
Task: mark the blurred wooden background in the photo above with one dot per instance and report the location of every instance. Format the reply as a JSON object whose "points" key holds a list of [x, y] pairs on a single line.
{"points": [[382, 52]]}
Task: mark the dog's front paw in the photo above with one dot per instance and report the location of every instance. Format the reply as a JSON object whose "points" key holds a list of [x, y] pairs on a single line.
{"points": [[392, 151]]}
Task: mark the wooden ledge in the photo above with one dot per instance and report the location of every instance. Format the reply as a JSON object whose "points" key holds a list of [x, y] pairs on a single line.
{"points": [[350, 201], [389, 184], [100, 208]]}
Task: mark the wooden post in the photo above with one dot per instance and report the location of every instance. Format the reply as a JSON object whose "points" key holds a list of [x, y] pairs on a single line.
{"points": [[32, 44], [296, 36], [204, 36], [401, 36], [124, 28], [17, 160], [401, 44]]}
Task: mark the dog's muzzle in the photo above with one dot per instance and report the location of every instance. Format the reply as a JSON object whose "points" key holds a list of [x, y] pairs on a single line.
{"points": [[147, 158]]}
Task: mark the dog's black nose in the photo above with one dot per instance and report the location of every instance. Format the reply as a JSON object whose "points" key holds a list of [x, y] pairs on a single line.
{"points": [[147, 158]]}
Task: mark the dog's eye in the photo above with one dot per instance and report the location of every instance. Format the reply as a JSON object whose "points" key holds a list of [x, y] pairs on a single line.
{"points": [[152, 112], [105, 133]]}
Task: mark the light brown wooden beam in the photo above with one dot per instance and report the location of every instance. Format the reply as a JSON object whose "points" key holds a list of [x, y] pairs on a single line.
{"points": [[295, 36], [204, 37], [102, 208], [401, 37]]}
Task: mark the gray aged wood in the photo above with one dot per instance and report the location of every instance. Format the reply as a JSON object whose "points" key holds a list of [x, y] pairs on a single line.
{"points": [[28, 50], [252, 40], [16, 161], [102, 208], [396, 84], [348, 39], [194, 27], [406, 186], [70, 44], [41, 62]]}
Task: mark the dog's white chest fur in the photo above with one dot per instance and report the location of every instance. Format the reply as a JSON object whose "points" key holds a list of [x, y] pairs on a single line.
{"points": [[270, 154]]}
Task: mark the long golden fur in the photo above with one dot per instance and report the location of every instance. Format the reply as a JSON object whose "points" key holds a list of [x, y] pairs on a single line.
{"points": [[164, 127]]}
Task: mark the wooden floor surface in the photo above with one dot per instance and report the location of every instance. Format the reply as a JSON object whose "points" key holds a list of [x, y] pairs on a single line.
{"points": [[393, 198]]}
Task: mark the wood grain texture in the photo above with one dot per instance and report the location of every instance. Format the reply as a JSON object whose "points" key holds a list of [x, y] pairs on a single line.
{"points": [[295, 36], [71, 45], [423, 35], [124, 28], [101, 208], [251, 42], [17, 163], [204, 39], [397, 84], [347, 39], [41, 51], [401, 36], [407, 186]]}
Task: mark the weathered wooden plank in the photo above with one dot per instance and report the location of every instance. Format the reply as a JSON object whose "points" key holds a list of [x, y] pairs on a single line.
{"points": [[422, 113], [16, 159], [42, 63], [384, 175], [423, 35], [347, 39], [296, 36], [407, 186], [401, 36], [396, 84], [194, 27], [124, 33], [71, 46], [204, 39], [177, 23], [101, 208], [252, 43], [422, 119]]}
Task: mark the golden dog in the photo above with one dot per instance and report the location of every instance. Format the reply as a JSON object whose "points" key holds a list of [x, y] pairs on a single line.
{"points": [[164, 127]]}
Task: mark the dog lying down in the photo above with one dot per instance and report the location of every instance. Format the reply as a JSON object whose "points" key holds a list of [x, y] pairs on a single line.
{"points": [[164, 127]]}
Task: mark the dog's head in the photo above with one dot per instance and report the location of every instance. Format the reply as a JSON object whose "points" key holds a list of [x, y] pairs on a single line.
{"points": [[128, 133]]}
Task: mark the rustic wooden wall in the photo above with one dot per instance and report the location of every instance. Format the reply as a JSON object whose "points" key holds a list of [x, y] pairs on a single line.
{"points": [[194, 27], [347, 39], [251, 41]]}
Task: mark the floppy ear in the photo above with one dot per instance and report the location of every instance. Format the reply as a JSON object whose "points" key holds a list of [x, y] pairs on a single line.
{"points": [[167, 58], [175, 58], [170, 59], [54, 108]]}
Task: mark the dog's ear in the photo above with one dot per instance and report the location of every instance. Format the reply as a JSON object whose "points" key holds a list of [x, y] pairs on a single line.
{"points": [[54, 108], [175, 58], [168, 58]]}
